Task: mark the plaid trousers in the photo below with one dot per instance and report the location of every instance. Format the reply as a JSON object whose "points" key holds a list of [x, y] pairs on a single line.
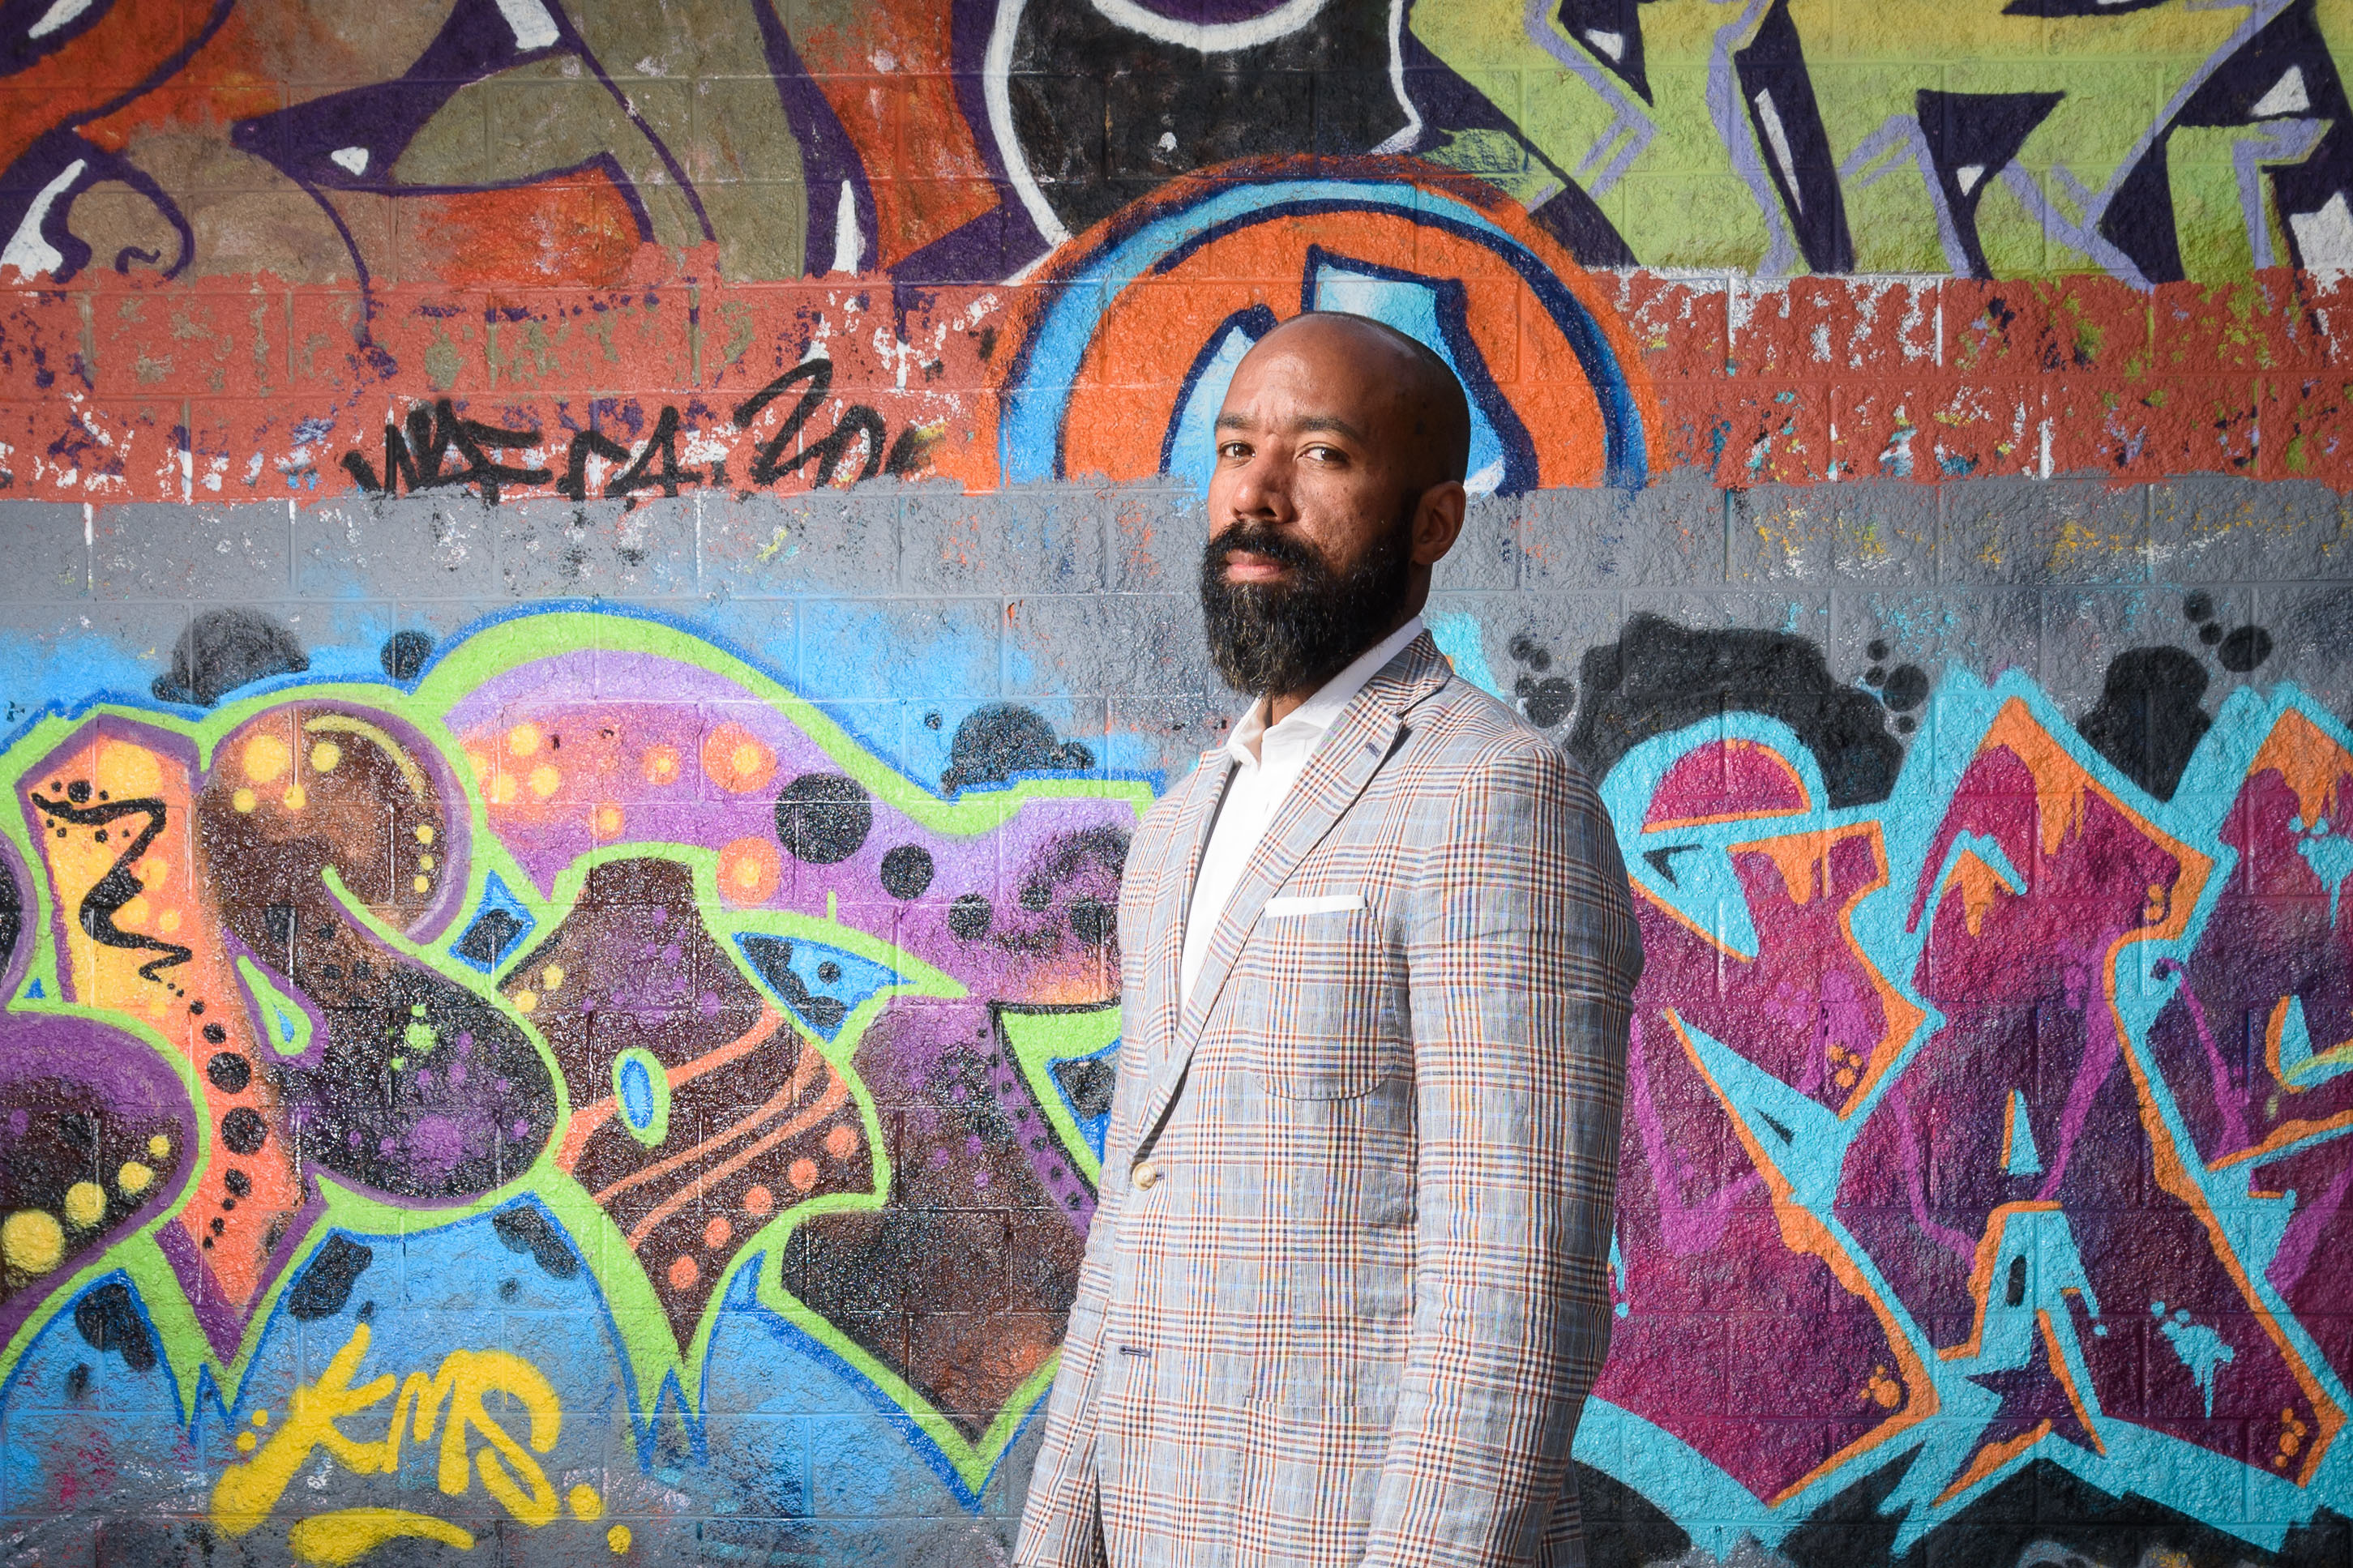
{"points": [[1347, 1284]]}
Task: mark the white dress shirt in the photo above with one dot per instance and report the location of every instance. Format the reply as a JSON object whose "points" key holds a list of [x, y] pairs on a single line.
{"points": [[1269, 759]]}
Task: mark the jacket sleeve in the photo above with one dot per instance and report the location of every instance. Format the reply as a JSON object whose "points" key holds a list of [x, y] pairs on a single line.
{"points": [[1523, 953], [1061, 1522]]}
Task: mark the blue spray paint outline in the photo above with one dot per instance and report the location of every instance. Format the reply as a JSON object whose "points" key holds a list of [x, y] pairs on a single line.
{"points": [[2139, 1460], [1038, 389]]}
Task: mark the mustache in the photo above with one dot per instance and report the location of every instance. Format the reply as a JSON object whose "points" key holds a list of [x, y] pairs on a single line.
{"points": [[1257, 539]]}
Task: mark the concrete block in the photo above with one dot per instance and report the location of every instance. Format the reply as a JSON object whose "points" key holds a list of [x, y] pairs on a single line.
{"points": [[901, 649], [237, 555], [1166, 735], [602, 549], [2310, 627], [1874, 533], [1486, 552], [44, 551], [1127, 643], [1155, 540], [410, 547], [1525, 648], [821, 541], [1668, 534], [759, 1466], [1046, 540], [61, 654], [855, 1464], [2210, 527], [2031, 532], [1898, 647]]}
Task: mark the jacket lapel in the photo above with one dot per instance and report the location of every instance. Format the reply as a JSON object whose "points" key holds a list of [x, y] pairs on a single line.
{"points": [[1359, 742]]}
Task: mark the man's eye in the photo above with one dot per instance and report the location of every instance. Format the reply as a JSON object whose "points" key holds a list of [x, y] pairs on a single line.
{"points": [[1232, 449]]}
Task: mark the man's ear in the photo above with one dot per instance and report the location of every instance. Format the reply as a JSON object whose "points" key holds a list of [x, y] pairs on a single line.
{"points": [[1438, 520]]}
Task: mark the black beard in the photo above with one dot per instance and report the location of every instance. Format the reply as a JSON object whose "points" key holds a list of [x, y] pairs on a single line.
{"points": [[1292, 636]]}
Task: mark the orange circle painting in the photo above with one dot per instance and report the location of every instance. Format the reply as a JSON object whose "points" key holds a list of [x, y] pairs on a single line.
{"points": [[1131, 341]]}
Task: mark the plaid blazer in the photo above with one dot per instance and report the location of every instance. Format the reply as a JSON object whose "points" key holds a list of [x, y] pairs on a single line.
{"points": [[1348, 1282]]}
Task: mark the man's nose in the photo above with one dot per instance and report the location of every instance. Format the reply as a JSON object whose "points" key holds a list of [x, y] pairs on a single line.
{"points": [[1261, 488]]}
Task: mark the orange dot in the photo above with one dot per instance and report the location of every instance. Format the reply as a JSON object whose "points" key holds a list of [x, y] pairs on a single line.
{"points": [[659, 765], [759, 1203], [716, 1233], [683, 1273], [737, 761], [502, 789], [479, 759], [522, 740], [803, 1175], [842, 1141], [749, 871], [609, 822]]}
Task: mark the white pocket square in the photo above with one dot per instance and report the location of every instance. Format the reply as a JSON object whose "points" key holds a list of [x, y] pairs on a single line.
{"points": [[1315, 904]]}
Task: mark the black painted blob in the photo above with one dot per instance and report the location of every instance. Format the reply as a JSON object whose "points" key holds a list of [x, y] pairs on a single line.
{"points": [[404, 654], [2149, 720], [1658, 676], [969, 917], [995, 742], [823, 818], [327, 1281], [107, 1320], [1906, 687], [907, 871], [12, 914], [2244, 648], [224, 650], [243, 1130], [524, 1227]]}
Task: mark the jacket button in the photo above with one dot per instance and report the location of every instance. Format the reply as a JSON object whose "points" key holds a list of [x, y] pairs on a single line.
{"points": [[1147, 1176]]}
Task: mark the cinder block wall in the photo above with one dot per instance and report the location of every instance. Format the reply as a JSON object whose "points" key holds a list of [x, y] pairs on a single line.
{"points": [[589, 599]]}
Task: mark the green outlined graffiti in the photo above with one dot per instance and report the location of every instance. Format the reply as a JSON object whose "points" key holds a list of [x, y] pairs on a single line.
{"points": [[596, 914]]}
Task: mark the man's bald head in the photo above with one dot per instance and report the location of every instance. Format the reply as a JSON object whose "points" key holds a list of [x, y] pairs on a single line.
{"points": [[1338, 487], [1436, 415]]}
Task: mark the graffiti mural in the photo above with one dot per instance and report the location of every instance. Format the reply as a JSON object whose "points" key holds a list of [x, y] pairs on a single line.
{"points": [[1912, 1051], [529, 248], [517, 140], [625, 1076], [1986, 1118], [593, 929]]}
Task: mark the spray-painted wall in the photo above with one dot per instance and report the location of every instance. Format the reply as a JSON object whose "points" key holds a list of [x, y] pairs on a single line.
{"points": [[589, 596]]}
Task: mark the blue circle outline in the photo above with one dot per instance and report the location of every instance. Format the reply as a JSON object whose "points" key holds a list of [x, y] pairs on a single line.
{"points": [[1038, 392]]}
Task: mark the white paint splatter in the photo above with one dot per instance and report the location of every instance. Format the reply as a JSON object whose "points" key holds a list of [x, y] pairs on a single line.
{"points": [[30, 251]]}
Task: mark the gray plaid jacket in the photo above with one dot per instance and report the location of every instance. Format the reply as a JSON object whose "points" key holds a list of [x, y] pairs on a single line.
{"points": [[1348, 1283]]}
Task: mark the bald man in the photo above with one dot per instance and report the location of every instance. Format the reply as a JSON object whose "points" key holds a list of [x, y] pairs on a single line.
{"points": [[1348, 1283]]}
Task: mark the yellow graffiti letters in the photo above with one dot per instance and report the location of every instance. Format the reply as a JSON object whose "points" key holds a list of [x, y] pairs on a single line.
{"points": [[247, 1493], [463, 1378], [450, 1401], [348, 1534]]}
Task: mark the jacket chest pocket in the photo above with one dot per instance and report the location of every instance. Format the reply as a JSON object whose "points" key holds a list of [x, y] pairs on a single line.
{"points": [[1316, 1006]]}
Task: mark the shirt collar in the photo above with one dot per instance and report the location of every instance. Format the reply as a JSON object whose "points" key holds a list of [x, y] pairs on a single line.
{"points": [[1321, 711]]}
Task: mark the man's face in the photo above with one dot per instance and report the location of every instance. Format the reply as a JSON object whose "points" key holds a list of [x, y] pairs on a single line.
{"points": [[1311, 548]]}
